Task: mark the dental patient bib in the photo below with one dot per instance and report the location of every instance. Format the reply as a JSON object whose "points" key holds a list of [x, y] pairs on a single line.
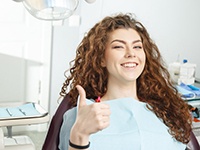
{"points": [[132, 127]]}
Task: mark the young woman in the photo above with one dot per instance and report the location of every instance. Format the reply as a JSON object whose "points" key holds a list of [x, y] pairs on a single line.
{"points": [[126, 98]]}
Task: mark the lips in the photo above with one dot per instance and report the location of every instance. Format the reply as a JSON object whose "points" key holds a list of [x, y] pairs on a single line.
{"points": [[129, 65]]}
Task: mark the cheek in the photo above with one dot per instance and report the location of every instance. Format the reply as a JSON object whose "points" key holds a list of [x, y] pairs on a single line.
{"points": [[110, 62], [109, 58], [143, 59], [113, 59]]}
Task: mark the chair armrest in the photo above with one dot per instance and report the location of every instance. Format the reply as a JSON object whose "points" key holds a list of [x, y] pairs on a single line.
{"points": [[1, 139]]}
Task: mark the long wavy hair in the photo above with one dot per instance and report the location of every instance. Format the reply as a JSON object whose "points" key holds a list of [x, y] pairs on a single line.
{"points": [[153, 86]]}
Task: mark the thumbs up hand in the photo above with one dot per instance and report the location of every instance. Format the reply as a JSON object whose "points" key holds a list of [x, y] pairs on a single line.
{"points": [[90, 118]]}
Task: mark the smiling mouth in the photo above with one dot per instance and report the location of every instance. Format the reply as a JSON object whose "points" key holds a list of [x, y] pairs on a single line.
{"points": [[129, 65]]}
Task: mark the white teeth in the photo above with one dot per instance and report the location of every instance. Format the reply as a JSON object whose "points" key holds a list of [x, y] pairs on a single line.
{"points": [[129, 65]]}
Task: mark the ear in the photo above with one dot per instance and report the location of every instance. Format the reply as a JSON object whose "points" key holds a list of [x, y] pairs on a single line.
{"points": [[103, 63]]}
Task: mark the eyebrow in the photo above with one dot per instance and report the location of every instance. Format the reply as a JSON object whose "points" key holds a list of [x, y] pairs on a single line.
{"points": [[121, 41]]}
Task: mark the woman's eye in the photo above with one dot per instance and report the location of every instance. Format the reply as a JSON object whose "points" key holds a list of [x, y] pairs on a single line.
{"points": [[137, 47], [116, 47]]}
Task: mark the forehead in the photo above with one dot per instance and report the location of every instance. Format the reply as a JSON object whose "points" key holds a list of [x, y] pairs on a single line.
{"points": [[124, 34]]}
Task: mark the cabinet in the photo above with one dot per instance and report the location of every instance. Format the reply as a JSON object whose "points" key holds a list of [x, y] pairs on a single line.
{"points": [[25, 57]]}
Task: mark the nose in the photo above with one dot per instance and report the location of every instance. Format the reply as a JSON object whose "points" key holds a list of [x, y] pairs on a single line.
{"points": [[129, 53]]}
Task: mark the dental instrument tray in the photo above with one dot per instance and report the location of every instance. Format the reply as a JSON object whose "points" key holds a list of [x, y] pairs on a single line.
{"points": [[22, 111], [189, 92]]}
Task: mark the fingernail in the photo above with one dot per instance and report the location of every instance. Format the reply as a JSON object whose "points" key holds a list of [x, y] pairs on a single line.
{"points": [[98, 99]]}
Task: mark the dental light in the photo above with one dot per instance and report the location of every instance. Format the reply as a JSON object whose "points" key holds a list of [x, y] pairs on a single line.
{"points": [[51, 9]]}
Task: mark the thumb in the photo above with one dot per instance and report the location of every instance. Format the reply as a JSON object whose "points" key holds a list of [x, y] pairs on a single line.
{"points": [[82, 97]]}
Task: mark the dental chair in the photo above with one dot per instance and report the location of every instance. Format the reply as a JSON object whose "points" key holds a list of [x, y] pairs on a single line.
{"points": [[20, 114], [52, 138]]}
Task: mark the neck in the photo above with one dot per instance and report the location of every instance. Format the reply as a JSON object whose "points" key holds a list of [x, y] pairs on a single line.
{"points": [[116, 90]]}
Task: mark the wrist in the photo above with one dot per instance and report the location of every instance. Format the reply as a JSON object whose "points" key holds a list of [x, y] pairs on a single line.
{"points": [[79, 146], [78, 137]]}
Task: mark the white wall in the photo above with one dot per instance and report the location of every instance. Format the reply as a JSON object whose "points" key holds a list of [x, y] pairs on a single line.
{"points": [[173, 25], [12, 83], [25, 50], [25, 55], [65, 40]]}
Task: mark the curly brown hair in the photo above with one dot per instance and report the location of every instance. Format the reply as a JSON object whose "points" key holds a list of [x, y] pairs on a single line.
{"points": [[153, 85]]}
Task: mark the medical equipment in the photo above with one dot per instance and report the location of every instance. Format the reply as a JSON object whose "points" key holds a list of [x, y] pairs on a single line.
{"points": [[18, 114], [187, 72], [174, 70], [51, 9], [182, 72]]}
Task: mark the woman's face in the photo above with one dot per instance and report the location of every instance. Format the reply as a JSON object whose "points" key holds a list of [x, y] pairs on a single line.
{"points": [[124, 55]]}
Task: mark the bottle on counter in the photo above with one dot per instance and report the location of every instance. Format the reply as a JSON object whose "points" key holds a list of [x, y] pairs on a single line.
{"points": [[187, 73], [174, 70]]}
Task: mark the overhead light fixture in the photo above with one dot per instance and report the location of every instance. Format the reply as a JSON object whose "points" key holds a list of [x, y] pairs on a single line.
{"points": [[51, 9], [90, 1]]}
